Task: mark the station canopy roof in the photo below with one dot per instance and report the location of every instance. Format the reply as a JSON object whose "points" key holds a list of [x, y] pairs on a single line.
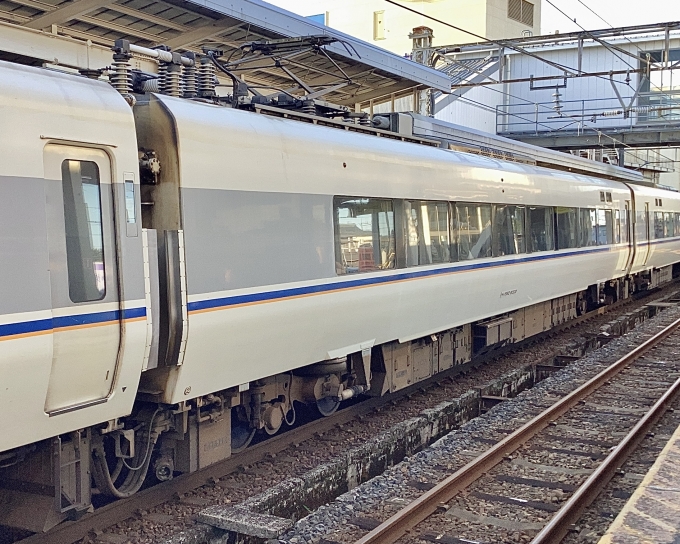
{"points": [[370, 73]]}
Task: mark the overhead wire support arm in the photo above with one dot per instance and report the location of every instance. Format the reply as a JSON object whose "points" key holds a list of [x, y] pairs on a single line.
{"points": [[565, 37], [549, 78]]}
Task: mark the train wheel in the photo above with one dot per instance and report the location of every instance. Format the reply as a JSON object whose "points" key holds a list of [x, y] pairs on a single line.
{"points": [[241, 431], [327, 405]]}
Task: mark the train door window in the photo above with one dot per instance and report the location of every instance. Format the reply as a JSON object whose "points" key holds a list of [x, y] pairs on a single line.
{"points": [[658, 225], [567, 227], [130, 215], [540, 222], [609, 223], [587, 227], [669, 224], [625, 223], [84, 236], [617, 226], [640, 226], [677, 224], [364, 234], [472, 228], [508, 230]]}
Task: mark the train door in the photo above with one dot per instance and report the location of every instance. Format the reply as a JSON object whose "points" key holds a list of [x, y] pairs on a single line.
{"points": [[83, 277], [627, 236], [641, 235], [648, 233]]}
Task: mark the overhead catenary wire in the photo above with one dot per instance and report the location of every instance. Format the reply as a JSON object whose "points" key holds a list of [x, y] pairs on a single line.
{"points": [[600, 134], [500, 43], [510, 45], [615, 54], [481, 105], [606, 45], [671, 67], [503, 43]]}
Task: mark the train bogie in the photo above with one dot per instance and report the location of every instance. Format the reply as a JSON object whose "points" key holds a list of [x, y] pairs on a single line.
{"points": [[179, 275]]}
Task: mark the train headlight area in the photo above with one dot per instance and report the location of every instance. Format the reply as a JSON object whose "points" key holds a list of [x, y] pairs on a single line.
{"points": [[179, 275]]}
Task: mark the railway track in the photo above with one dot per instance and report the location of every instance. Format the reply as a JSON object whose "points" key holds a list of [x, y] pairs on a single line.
{"points": [[631, 394], [88, 527]]}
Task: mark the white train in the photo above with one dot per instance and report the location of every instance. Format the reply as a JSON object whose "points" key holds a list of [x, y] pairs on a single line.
{"points": [[173, 276]]}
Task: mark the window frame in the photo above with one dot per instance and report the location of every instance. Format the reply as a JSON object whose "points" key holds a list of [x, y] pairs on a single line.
{"points": [[550, 210], [80, 288], [574, 213], [488, 245], [338, 200], [496, 234]]}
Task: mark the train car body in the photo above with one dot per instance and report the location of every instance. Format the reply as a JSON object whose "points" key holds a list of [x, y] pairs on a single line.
{"points": [[257, 213], [72, 342], [657, 228], [176, 276]]}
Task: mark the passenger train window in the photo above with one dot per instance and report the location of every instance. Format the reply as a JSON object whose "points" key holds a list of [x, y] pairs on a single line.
{"points": [[413, 226], [438, 224], [587, 227], [567, 227], [364, 234], [508, 230], [677, 224], [426, 231], [605, 227], [669, 224], [541, 225], [658, 225], [472, 228], [84, 236]]}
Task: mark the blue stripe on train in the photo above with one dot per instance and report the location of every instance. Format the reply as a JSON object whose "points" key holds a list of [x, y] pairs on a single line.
{"points": [[40, 325], [282, 294], [379, 280]]}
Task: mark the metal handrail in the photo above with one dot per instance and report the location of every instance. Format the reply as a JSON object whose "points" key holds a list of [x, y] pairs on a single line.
{"points": [[651, 108]]}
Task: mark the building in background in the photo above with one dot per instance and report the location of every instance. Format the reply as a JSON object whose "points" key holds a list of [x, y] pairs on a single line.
{"points": [[609, 95], [592, 114], [389, 25]]}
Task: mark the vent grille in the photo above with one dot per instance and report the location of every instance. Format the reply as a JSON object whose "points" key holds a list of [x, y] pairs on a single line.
{"points": [[515, 10], [521, 11], [527, 13]]}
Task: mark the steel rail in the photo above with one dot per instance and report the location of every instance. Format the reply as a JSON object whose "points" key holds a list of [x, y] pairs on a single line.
{"points": [[120, 510], [408, 517], [561, 522]]}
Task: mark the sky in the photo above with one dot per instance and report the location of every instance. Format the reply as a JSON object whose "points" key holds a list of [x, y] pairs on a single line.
{"points": [[616, 12]]}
